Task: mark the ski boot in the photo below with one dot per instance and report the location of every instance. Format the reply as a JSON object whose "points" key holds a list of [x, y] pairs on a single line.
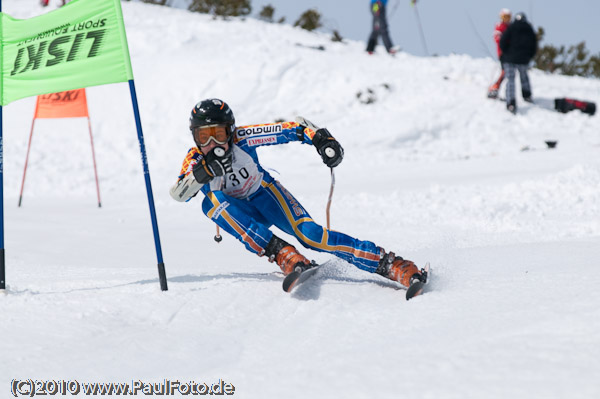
{"points": [[512, 107], [286, 256], [493, 94], [398, 269], [494, 89], [527, 96]]}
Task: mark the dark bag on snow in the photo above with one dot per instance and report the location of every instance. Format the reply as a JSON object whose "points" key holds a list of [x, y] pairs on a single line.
{"points": [[568, 104]]}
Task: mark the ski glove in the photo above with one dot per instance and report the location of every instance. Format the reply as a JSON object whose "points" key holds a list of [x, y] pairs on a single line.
{"points": [[216, 163], [330, 150]]}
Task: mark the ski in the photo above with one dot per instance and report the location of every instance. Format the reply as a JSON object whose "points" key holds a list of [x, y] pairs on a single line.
{"points": [[418, 287], [297, 277], [319, 47], [550, 144]]}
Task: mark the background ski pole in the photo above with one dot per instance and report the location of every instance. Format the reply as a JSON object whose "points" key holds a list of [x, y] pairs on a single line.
{"points": [[391, 14], [481, 41], [414, 4]]}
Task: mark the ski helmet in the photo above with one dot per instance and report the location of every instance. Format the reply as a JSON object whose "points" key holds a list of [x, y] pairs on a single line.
{"points": [[213, 112], [520, 16]]}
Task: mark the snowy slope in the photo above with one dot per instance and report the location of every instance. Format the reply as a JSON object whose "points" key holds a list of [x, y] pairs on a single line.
{"points": [[433, 170]]}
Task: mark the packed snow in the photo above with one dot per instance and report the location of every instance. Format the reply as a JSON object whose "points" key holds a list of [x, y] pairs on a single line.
{"points": [[433, 170]]}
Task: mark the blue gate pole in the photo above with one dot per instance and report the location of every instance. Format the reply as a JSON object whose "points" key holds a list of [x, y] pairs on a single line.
{"points": [[162, 276], [2, 265]]}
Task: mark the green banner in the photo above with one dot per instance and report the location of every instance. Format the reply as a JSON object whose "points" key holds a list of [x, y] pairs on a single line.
{"points": [[78, 45]]}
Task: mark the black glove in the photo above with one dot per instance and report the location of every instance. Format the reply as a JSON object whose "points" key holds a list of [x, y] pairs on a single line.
{"points": [[330, 150], [216, 163]]}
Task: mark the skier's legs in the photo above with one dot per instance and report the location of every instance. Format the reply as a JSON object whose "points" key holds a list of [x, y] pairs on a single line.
{"points": [[502, 74], [383, 30], [281, 208], [510, 83], [496, 85], [525, 86], [373, 36], [238, 218]]}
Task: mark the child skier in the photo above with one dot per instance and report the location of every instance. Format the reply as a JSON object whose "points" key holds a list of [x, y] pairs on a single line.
{"points": [[244, 200], [505, 17]]}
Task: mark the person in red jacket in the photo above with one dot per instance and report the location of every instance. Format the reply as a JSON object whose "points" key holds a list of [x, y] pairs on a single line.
{"points": [[505, 16]]}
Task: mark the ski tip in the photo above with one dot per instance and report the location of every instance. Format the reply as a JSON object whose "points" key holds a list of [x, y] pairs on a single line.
{"points": [[290, 287], [415, 289], [299, 276], [290, 281]]}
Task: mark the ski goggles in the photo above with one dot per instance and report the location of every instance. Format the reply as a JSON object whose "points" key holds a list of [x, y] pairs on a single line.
{"points": [[204, 134]]}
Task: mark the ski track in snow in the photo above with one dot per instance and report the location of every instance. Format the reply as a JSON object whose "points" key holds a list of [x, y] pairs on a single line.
{"points": [[433, 171]]}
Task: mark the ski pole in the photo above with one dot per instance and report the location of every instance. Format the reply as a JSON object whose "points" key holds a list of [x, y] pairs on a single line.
{"points": [[330, 196], [414, 4], [218, 237], [481, 41], [391, 14]]}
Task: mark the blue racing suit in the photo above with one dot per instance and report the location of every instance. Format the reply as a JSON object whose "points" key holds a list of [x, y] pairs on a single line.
{"points": [[247, 201]]}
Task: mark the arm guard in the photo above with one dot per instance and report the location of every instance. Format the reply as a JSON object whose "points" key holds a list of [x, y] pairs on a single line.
{"points": [[185, 188]]}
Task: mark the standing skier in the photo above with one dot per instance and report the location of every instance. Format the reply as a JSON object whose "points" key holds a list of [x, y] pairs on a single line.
{"points": [[499, 29], [245, 201], [519, 45], [380, 27]]}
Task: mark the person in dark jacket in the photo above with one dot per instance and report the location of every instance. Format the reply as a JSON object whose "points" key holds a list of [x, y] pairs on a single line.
{"points": [[519, 45]]}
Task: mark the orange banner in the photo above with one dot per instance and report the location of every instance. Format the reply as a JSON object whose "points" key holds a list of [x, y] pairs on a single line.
{"points": [[66, 104]]}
